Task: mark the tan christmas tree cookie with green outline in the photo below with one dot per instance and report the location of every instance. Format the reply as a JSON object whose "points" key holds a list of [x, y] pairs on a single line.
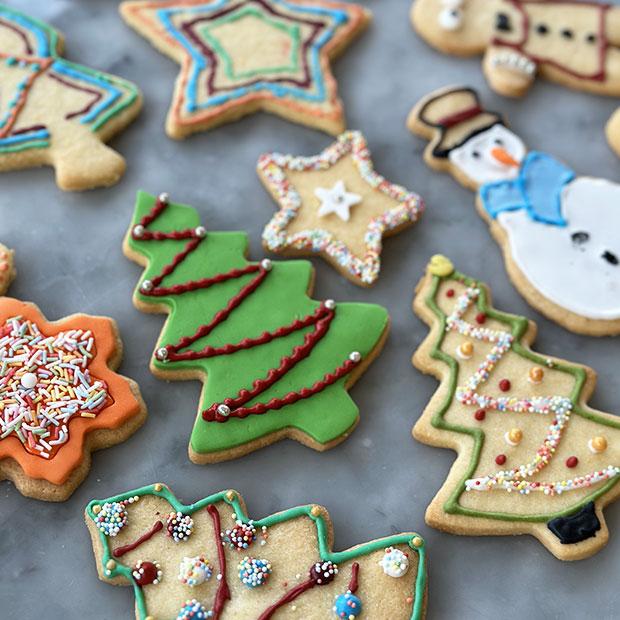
{"points": [[533, 457]]}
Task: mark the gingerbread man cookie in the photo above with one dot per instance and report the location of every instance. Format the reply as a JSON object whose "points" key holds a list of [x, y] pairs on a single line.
{"points": [[533, 457], [60, 398], [335, 204], [575, 43], [55, 112], [210, 560], [274, 362], [558, 231], [7, 269], [238, 57]]}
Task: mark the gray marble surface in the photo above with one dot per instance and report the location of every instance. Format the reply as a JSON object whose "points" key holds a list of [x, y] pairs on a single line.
{"points": [[380, 481]]}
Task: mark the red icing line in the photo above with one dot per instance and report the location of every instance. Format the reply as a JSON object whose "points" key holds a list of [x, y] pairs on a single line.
{"points": [[120, 551], [287, 598], [91, 91], [28, 48], [603, 41], [223, 592], [321, 319], [459, 117], [355, 569]]}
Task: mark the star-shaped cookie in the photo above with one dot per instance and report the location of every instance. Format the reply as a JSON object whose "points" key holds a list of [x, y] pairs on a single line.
{"points": [[241, 56], [315, 195], [60, 398]]}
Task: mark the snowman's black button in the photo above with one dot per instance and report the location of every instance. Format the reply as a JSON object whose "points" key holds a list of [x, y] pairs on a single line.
{"points": [[542, 29], [591, 38], [611, 258], [567, 33], [580, 237], [502, 22]]}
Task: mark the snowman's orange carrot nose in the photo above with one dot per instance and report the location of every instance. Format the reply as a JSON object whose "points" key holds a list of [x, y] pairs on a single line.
{"points": [[504, 157]]}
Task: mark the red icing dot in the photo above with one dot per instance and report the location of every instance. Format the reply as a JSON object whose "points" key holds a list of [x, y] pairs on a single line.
{"points": [[504, 385], [480, 415], [481, 318], [145, 573], [572, 461], [450, 292], [500, 459]]}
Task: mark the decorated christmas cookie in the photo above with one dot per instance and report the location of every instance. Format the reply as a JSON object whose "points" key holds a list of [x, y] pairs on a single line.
{"points": [[286, 569], [274, 362], [571, 42], [7, 269], [55, 112], [558, 232], [241, 56], [533, 458], [336, 205], [60, 398]]}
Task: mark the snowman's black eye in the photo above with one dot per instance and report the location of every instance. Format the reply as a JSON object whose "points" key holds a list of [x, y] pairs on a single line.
{"points": [[499, 142], [580, 237], [475, 154]]}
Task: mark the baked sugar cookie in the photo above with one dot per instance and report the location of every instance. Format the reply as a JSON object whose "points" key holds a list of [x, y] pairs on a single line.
{"points": [[55, 112], [210, 560], [241, 56], [60, 398], [558, 231], [571, 42], [7, 268], [335, 204], [274, 362], [533, 457]]}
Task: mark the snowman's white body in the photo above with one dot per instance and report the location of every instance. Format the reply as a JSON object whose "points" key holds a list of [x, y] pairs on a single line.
{"points": [[575, 276], [572, 275]]}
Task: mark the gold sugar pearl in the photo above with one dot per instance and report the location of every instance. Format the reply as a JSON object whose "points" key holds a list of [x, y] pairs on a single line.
{"points": [[536, 374], [158, 487], [96, 509], [467, 348], [597, 444], [230, 496], [110, 565], [416, 541], [316, 511], [514, 436]]}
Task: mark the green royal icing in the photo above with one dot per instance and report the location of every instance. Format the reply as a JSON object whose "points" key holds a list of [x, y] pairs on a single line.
{"points": [[208, 32], [121, 570], [518, 326], [280, 299]]}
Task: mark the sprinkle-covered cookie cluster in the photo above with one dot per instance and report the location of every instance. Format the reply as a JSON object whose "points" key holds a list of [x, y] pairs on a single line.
{"points": [[112, 518], [193, 610], [241, 536], [44, 383], [195, 571], [179, 526], [253, 572]]}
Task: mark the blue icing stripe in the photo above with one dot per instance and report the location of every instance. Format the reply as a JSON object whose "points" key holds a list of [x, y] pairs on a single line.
{"points": [[113, 93], [41, 36], [537, 189], [278, 90], [41, 134]]}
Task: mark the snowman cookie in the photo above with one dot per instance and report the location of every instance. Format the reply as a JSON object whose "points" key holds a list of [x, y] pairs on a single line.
{"points": [[533, 457], [558, 231], [571, 42], [7, 269], [209, 559]]}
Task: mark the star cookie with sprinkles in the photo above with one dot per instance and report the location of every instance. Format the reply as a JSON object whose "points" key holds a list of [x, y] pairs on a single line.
{"points": [[336, 205], [55, 112], [241, 56], [60, 398], [288, 571], [533, 457], [7, 269], [274, 363]]}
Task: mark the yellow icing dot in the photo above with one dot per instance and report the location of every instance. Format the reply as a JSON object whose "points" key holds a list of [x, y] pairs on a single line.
{"points": [[158, 487], [514, 435], [467, 348], [440, 266], [536, 374], [416, 541], [316, 511], [96, 509], [230, 495], [110, 565], [598, 444]]}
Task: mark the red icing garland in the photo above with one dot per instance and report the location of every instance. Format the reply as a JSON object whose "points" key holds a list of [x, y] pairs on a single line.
{"points": [[223, 592], [120, 551], [603, 41], [287, 598], [320, 319], [355, 569]]}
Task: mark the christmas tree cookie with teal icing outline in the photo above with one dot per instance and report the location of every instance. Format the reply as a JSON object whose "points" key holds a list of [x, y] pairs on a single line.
{"points": [[55, 112], [239, 57], [557, 230], [533, 457], [274, 362], [210, 560]]}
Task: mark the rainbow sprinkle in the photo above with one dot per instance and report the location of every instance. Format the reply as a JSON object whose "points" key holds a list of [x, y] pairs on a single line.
{"points": [[44, 382]]}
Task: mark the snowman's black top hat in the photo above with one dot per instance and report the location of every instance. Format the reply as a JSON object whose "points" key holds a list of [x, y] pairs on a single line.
{"points": [[458, 116]]}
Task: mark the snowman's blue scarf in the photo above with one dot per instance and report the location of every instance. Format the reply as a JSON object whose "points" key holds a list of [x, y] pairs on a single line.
{"points": [[537, 189]]}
